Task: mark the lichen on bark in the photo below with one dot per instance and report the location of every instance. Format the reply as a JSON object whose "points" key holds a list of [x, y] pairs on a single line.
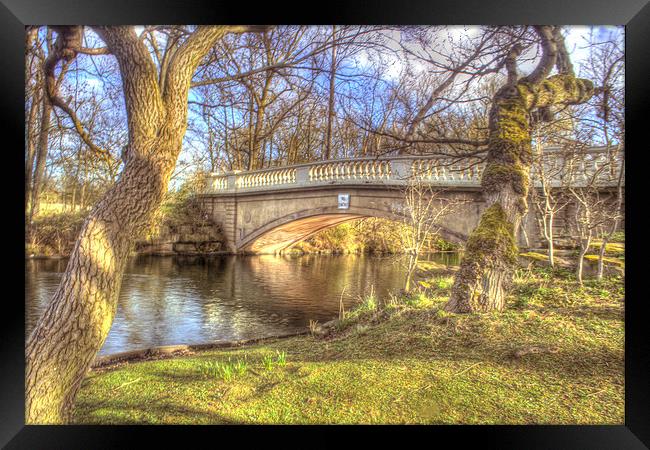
{"points": [[493, 238], [498, 175], [491, 251]]}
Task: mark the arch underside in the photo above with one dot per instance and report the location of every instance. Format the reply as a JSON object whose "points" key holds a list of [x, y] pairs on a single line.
{"points": [[281, 234], [288, 234]]}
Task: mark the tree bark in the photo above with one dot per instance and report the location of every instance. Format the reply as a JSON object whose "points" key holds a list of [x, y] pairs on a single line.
{"points": [[41, 157], [77, 320], [491, 252], [550, 239], [584, 247], [410, 270], [30, 144], [257, 148], [330, 106], [601, 257]]}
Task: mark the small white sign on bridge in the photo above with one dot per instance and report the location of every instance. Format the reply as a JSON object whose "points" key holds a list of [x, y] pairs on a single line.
{"points": [[344, 201]]}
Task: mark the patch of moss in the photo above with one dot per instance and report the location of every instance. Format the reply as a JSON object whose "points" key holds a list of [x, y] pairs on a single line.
{"points": [[510, 144], [572, 90], [614, 261], [534, 255], [512, 122], [498, 175], [493, 239], [612, 248]]}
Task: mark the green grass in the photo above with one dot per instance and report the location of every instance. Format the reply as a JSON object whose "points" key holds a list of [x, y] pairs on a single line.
{"points": [[406, 362]]}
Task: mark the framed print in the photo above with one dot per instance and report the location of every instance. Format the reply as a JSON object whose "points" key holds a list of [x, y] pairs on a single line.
{"points": [[382, 214]]}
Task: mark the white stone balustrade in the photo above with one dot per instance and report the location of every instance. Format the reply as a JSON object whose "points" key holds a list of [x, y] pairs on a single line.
{"points": [[266, 178], [442, 171]]}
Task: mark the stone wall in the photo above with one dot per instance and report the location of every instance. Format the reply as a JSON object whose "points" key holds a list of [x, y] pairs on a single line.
{"points": [[200, 237]]}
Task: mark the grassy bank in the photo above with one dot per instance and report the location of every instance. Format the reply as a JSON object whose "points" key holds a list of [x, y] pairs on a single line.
{"points": [[555, 356]]}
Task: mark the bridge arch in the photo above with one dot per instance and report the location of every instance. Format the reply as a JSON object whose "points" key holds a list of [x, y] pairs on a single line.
{"points": [[285, 231]]}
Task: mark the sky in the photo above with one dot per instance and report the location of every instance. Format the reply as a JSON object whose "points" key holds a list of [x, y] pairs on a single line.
{"points": [[576, 39]]}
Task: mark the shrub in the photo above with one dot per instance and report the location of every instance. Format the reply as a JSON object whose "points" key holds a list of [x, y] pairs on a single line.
{"points": [[54, 234]]}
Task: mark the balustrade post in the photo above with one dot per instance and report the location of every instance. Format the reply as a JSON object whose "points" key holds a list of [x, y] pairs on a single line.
{"points": [[302, 175], [231, 182], [210, 188], [401, 169]]}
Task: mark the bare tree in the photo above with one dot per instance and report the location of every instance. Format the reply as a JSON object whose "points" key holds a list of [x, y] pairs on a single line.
{"points": [[423, 209], [550, 198], [606, 64], [592, 206]]}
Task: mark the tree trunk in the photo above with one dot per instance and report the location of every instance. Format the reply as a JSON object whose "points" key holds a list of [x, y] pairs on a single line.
{"points": [[601, 256], [583, 251], [551, 250], [330, 106], [491, 250], [41, 157], [412, 265], [76, 322], [252, 163], [31, 151], [32, 91]]}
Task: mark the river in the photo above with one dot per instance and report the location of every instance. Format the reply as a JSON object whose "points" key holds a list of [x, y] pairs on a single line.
{"points": [[185, 300]]}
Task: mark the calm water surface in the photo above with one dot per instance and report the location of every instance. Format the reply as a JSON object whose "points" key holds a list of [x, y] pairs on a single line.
{"points": [[181, 300]]}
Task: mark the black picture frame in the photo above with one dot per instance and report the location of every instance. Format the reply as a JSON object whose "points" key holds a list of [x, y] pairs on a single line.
{"points": [[635, 14]]}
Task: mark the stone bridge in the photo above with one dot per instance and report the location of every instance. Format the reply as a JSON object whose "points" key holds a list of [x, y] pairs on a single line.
{"points": [[269, 210]]}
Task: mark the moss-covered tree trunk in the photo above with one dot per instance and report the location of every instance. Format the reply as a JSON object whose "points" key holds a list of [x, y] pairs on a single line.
{"points": [[491, 251]]}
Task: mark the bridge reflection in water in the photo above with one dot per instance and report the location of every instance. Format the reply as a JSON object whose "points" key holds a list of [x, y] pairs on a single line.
{"points": [[269, 210]]}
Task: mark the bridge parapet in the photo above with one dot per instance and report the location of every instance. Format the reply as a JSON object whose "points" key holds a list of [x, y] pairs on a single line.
{"points": [[352, 169], [439, 171], [273, 177]]}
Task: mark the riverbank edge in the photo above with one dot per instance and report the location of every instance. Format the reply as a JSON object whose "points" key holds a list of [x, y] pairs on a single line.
{"points": [[229, 253], [172, 351]]}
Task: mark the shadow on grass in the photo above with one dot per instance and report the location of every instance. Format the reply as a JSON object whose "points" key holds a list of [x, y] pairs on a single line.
{"points": [[114, 411], [604, 312], [184, 376]]}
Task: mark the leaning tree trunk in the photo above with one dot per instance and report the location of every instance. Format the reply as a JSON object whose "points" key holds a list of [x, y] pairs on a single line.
{"points": [[491, 252], [77, 320], [74, 326]]}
